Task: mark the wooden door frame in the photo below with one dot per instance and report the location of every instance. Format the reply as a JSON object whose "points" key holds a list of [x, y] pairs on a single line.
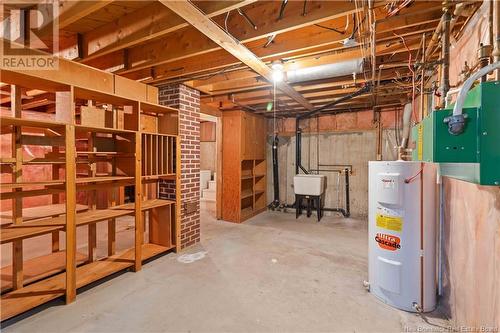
{"points": [[213, 112]]}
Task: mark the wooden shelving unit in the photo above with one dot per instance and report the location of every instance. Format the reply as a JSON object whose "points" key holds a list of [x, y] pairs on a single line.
{"points": [[244, 166], [107, 155]]}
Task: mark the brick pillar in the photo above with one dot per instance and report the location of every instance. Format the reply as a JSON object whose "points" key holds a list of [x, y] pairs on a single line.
{"points": [[187, 100]]}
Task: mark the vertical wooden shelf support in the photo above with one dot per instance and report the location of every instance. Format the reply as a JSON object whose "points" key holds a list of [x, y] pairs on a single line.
{"points": [[139, 226], [17, 204], [70, 214], [178, 198]]}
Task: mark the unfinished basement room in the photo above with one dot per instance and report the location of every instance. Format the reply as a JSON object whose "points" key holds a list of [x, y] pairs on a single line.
{"points": [[250, 166]]}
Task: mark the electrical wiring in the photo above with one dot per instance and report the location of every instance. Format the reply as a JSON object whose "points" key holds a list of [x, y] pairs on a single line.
{"points": [[412, 178], [410, 67], [396, 10], [225, 22], [356, 28], [332, 29]]}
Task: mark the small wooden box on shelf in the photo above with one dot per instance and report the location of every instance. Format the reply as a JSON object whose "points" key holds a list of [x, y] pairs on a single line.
{"points": [[244, 166], [107, 155]]}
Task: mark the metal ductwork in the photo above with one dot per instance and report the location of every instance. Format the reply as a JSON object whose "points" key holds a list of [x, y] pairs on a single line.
{"points": [[325, 71]]}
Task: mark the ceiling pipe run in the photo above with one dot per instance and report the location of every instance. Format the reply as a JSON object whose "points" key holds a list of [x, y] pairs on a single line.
{"points": [[349, 67]]}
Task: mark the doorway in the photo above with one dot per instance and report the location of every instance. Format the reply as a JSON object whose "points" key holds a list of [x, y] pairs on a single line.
{"points": [[209, 157]]}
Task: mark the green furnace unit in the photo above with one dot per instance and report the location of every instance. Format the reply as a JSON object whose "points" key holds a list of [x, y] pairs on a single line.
{"points": [[473, 155]]}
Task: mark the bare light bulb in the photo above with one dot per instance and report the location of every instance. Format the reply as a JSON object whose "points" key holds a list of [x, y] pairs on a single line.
{"points": [[277, 67], [277, 75]]}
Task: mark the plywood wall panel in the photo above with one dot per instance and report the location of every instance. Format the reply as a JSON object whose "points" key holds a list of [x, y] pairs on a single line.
{"points": [[472, 253]]}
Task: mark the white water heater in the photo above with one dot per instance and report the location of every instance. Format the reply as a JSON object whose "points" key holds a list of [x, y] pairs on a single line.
{"points": [[402, 234]]}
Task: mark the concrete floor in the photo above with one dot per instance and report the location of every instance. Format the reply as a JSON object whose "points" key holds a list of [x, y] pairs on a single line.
{"points": [[272, 273]]}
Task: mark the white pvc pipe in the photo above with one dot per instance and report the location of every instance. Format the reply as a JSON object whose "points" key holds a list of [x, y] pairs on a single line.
{"points": [[448, 95], [457, 110]]}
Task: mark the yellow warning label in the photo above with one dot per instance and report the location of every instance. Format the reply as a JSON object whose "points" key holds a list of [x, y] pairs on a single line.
{"points": [[420, 144], [394, 223]]}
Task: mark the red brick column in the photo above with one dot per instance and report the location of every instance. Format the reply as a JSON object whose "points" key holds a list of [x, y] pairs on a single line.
{"points": [[187, 100]]}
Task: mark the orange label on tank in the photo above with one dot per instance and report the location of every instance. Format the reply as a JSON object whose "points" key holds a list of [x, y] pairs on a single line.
{"points": [[388, 242]]}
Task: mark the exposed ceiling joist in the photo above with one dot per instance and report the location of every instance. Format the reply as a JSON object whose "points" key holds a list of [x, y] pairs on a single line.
{"points": [[148, 23], [188, 42], [197, 19], [72, 11], [220, 59]]}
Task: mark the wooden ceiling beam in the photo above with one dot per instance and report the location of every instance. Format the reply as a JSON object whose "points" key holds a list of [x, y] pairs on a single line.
{"points": [[188, 42], [311, 94], [197, 19], [285, 47], [148, 23], [291, 27], [71, 11]]}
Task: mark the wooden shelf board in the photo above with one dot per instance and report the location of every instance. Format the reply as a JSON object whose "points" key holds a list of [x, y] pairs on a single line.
{"points": [[24, 299], [103, 130], [245, 212], [39, 212], [84, 180], [11, 121], [98, 96], [260, 176], [246, 177], [38, 268], [43, 161], [156, 108], [7, 160], [149, 204], [11, 233], [157, 177], [26, 184], [246, 194], [45, 226], [105, 153], [259, 192], [159, 134], [250, 212]]}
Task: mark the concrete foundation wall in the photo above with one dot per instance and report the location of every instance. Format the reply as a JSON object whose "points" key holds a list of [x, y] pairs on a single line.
{"points": [[353, 148]]}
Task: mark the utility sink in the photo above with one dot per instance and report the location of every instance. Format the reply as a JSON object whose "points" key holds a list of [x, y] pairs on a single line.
{"points": [[309, 184]]}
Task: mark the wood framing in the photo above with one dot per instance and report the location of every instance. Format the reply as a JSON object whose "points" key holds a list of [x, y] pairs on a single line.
{"points": [[97, 137], [201, 22], [244, 166]]}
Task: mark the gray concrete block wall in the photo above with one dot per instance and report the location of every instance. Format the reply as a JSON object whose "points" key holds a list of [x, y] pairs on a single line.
{"points": [[354, 148]]}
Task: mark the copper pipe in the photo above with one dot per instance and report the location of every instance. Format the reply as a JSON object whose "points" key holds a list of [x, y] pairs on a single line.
{"points": [[434, 38], [379, 136], [422, 110], [422, 235]]}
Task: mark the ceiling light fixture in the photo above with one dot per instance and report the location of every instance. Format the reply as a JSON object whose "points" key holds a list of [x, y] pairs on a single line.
{"points": [[277, 67]]}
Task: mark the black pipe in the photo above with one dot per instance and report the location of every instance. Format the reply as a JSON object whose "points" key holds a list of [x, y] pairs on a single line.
{"points": [[298, 131], [298, 150], [364, 89], [338, 210], [298, 145], [276, 184], [298, 141], [347, 205], [282, 9]]}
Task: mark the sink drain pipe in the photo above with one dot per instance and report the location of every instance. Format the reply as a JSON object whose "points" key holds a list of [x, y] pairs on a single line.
{"points": [[298, 145]]}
